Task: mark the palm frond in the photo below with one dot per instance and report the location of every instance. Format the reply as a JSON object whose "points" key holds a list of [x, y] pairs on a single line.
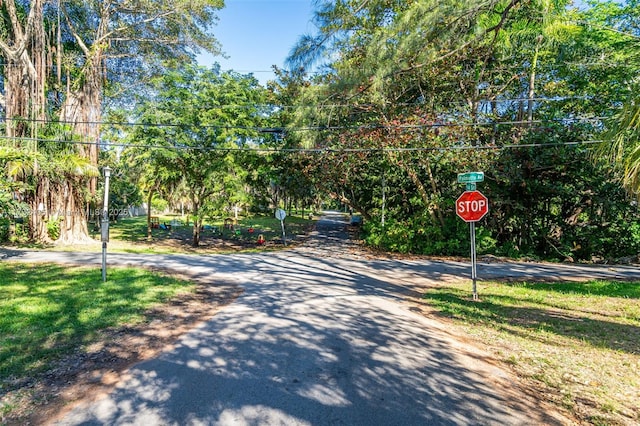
{"points": [[71, 164], [621, 145]]}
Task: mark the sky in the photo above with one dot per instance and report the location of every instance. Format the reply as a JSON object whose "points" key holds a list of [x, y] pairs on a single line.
{"points": [[256, 34]]}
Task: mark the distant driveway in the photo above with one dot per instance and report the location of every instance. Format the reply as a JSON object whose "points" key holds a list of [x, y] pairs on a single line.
{"points": [[320, 336]]}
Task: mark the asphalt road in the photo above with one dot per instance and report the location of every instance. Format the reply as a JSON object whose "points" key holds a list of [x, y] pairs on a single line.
{"points": [[322, 335]]}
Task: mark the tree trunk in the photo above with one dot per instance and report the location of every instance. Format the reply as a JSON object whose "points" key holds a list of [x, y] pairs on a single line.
{"points": [[25, 71], [197, 224], [60, 204], [24, 105], [532, 81], [83, 108], [149, 198], [72, 214], [40, 211]]}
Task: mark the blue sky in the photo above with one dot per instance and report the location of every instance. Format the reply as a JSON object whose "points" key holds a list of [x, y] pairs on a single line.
{"points": [[256, 34]]}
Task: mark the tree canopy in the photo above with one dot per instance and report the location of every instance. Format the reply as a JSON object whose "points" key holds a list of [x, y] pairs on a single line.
{"points": [[63, 62], [411, 93], [384, 104], [192, 132]]}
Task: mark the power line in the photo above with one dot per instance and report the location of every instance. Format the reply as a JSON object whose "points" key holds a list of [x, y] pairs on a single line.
{"points": [[285, 129], [417, 104], [256, 149]]}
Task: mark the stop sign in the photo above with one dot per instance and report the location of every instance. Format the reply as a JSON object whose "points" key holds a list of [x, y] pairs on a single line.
{"points": [[471, 206]]}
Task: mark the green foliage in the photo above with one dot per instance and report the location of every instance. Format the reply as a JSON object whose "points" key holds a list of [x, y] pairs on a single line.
{"points": [[421, 91], [53, 228], [553, 202], [419, 235], [547, 202], [15, 163], [123, 190], [159, 204], [152, 35], [213, 114], [5, 226], [486, 243]]}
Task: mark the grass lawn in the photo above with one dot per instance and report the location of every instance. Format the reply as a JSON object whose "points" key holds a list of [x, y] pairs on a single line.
{"points": [[49, 311], [130, 235], [578, 343]]}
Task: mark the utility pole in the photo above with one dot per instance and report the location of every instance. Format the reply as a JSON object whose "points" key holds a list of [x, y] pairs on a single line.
{"points": [[105, 222]]}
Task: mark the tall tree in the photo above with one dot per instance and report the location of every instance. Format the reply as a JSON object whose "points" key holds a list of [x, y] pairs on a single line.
{"points": [[23, 46], [616, 27], [196, 124], [61, 58], [442, 87], [406, 70], [109, 34]]}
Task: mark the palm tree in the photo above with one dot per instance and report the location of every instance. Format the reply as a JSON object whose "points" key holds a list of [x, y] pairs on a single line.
{"points": [[55, 202], [14, 165], [621, 145]]}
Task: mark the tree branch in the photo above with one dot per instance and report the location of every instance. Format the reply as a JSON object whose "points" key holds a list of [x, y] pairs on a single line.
{"points": [[496, 28], [75, 34]]}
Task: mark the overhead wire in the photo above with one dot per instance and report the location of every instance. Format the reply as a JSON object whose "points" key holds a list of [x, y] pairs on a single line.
{"points": [[259, 149], [321, 128], [417, 104], [284, 129]]}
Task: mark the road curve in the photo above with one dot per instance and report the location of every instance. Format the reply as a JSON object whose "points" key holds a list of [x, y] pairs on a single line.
{"points": [[320, 336]]}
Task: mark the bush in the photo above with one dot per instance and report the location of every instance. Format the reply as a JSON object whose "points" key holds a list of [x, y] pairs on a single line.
{"points": [[53, 229], [420, 236], [5, 225]]}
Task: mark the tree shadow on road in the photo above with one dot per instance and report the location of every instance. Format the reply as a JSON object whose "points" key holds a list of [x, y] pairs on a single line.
{"points": [[315, 344]]}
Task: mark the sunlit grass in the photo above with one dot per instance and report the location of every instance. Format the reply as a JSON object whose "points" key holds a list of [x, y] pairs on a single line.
{"points": [[47, 311], [579, 342], [129, 235]]}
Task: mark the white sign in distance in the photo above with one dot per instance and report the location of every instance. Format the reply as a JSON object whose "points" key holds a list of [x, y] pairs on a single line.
{"points": [[280, 214]]}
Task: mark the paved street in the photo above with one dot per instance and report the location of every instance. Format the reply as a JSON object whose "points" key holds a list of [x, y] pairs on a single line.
{"points": [[321, 335]]}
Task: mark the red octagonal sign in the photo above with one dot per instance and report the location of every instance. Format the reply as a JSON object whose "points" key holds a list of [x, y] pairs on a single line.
{"points": [[472, 206]]}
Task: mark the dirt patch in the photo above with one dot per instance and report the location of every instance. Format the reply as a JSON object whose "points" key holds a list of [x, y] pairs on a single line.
{"points": [[93, 370]]}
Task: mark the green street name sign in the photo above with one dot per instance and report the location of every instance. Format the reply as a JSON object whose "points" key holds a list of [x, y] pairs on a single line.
{"points": [[471, 177]]}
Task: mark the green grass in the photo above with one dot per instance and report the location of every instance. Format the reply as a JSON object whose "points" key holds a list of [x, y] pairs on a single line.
{"points": [[48, 311], [130, 235], [270, 226], [577, 342]]}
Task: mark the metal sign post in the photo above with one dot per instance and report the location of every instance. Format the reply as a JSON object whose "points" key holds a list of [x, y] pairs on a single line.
{"points": [[472, 206], [280, 215], [474, 275], [104, 228]]}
